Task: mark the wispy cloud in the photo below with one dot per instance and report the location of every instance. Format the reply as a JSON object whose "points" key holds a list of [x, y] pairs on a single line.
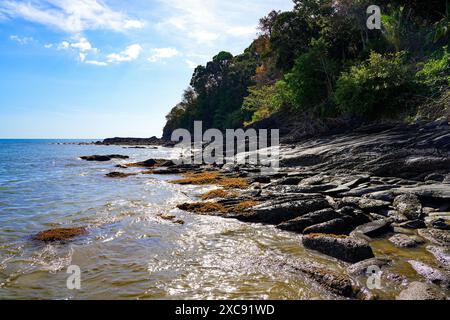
{"points": [[163, 53], [21, 40], [96, 63], [73, 16], [132, 52]]}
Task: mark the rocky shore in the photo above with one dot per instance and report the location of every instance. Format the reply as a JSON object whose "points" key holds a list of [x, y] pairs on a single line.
{"points": [[364, 198]]}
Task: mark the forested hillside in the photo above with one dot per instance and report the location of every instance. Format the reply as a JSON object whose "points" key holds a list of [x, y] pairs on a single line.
{"points": [[321, 61]]}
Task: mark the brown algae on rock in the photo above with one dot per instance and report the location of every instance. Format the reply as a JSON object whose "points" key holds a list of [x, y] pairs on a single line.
{"points": [[59, 234]]}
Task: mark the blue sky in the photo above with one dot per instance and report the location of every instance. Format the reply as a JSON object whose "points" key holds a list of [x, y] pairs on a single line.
{"points": [[97, 69]]}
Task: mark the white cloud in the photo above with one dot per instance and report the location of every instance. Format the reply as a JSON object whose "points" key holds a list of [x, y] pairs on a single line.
{"points": [[96, 63], [132, 52], [63, 45], [163, 53], [21, 40], [82, 56], [203, 36], [242, 31], [72, 16], [83, 45], [48, 45], [191, 64]]}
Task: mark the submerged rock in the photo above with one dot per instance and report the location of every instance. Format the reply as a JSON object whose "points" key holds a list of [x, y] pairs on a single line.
{"points": [[119, 175], [340, 247], [103, 158], [59, 234], [420, 291]]}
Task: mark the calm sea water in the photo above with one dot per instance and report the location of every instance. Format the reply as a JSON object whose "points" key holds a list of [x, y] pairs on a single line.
{"points": [[129, 251]]}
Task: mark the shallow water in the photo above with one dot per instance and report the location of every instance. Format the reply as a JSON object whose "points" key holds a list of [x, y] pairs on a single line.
{"points": [[129, 251]]}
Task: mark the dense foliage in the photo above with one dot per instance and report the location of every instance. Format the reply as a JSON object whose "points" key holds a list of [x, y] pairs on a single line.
{"points": [[320, 58]]}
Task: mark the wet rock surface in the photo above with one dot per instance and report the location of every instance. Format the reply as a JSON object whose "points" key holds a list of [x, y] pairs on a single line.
{"points": [[343, 248], [59, 234], [103, 158]]}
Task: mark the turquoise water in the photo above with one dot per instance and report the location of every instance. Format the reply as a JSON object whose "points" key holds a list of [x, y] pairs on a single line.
{"points": [[129, 252]]}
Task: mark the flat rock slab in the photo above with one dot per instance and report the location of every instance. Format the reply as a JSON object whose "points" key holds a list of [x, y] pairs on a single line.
{"points": [[433, 275], [274, 212], [301, 223], [420, 291], [373, 229], [361, 268], [405, 241], [441, 237], [336, 226], [340, 247], [442, 255]]}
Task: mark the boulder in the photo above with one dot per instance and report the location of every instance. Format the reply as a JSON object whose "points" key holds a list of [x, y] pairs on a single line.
{"points": [[420, 291], [340, 247], [408, 205]]}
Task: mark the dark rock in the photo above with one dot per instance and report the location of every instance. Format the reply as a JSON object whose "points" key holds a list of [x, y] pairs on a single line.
{"points": [[343, 248], [147, 163], [440, 224], [412, 224], [408, 205], [261, 179], [299, 224], [337, 283], [103, 158], [119, 175], [337, 190], [336, 226], [435, 177], [132, 141], [275, 212], [373, 229], [405, 241], [420, 291]]}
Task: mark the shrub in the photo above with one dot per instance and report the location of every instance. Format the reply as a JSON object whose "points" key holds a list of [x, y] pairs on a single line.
{"points": [[378, 87]]}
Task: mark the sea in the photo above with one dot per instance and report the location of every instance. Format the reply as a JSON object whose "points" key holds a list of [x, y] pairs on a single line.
{"points": [[129, 251]]}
